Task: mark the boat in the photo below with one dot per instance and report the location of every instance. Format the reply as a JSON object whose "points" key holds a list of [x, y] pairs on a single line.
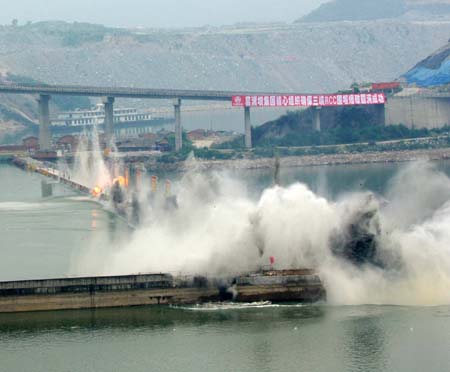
{"points": [[96, 116], [302, 286], [128, 122]]}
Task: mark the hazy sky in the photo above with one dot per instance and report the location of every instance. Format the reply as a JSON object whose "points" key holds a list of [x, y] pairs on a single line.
{"points": [[156, 13]]}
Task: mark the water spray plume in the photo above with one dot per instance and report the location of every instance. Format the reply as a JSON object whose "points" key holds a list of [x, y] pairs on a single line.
{"points": [[94, 168]]}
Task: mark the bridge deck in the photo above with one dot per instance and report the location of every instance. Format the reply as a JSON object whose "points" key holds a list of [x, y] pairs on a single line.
{"points": [[75, 90], [50, 172]]}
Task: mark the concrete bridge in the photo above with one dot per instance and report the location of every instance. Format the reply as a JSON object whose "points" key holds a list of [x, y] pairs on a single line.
{"points": [[110, 93], [255, 99]]}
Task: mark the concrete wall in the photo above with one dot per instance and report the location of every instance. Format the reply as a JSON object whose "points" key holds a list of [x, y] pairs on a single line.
{"points": [[148, 289], [418, 112], [88, 284], [331, 116], [96, 292], [117, 298]]}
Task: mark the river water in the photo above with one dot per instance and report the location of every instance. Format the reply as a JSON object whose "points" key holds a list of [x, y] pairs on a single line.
{"points": [[43, 238]]}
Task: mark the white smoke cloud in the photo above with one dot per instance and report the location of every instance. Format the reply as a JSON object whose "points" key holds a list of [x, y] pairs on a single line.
{"points": [[220, 228], [414, 194]]}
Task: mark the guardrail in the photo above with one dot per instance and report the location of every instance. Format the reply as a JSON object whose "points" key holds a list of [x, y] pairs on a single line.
{"points": [[127, 92]]}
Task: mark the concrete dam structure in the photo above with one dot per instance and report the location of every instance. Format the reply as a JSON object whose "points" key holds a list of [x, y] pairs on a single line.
{"points": [[158, 289], [419, 111], [415, 111]]}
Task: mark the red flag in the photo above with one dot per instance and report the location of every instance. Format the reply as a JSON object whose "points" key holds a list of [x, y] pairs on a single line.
{"points": [[272, 260]]}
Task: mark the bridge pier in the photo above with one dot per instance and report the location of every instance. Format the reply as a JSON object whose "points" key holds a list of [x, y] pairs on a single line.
{"points": [[178, 128], [381, 114], [45, 139], [248, 128], [316, 118], [108, 102]]}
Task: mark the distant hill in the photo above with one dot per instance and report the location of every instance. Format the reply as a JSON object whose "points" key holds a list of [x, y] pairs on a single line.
{"points": [[432, 71], [356, 10], [427, 9], [364, 10]]}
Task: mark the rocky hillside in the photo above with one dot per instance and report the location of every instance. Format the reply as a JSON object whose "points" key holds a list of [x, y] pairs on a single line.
{"points": [[300, 57]]}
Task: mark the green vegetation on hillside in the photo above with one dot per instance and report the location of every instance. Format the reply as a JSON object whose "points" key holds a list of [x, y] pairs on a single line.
{"points": [[177, 156], [22, 80], [354, 131], [353, 125], [76, 33]]}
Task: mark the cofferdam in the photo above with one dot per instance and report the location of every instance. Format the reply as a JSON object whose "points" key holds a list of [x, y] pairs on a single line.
{"points": [[158, 289]]}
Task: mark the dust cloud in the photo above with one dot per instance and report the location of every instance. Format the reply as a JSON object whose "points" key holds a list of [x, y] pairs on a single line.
{"points": [[367, 249]]}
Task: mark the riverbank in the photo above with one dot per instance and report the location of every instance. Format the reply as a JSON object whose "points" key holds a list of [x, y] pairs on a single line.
{"points": [[305, 161]]}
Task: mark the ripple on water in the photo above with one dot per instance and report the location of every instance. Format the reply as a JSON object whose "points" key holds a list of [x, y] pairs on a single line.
{"points": [[22, 206], [220, 306]]}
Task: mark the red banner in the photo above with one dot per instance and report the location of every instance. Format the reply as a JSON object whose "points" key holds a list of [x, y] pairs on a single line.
{"points": [[310, 100]]}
